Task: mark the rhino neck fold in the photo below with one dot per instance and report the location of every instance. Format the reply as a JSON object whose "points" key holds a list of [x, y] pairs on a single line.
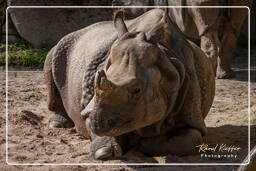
{"points": [[88, 79]]}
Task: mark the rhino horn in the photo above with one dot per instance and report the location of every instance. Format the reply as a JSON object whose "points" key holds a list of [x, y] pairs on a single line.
{"points": [[101, 82], [119, 23]]}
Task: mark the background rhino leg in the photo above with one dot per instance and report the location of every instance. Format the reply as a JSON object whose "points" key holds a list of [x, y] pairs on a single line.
{"points": [[210, 44], [60, 118], [183, 143], [205, 20], [229, 41], [224, 60]]}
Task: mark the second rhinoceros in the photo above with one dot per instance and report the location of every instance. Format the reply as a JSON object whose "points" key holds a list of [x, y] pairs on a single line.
{"points": [[217, 29], [131, 83]]}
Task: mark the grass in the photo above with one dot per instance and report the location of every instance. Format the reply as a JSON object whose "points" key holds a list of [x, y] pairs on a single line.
{"points": [[22, 53]]}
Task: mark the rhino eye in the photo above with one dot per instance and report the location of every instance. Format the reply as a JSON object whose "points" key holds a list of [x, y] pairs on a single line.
{"points": [[136, 91], [135, 94]]}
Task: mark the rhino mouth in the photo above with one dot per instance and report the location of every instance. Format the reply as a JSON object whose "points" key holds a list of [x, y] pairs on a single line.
{"points": [[108, 127], [117, 131]]}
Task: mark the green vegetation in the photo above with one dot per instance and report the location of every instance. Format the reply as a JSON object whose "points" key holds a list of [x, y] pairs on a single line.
{"points": [[23, 53]]}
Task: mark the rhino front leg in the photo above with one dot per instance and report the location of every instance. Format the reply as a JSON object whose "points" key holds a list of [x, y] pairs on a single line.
{"points": [[224, 70], [184, 143], [210, 44], [105, 147]]}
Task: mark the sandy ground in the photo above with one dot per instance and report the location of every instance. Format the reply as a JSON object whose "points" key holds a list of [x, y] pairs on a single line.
{"points": [[30, 141]]}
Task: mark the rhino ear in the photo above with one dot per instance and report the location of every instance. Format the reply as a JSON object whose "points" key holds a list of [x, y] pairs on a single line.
{"points": [[157, 32], [119, 23]]}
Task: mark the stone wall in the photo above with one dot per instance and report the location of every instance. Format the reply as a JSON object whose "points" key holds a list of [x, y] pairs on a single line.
{"points": [[45, 27], [2, 14], [253, 22], [244, 30]]}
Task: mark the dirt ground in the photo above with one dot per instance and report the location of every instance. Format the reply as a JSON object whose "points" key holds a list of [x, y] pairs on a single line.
{"points": [[30, 140]]}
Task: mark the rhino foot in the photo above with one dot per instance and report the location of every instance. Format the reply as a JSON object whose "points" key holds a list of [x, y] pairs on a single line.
{"points": [[104, 148], [59, 121], [222, 74]]}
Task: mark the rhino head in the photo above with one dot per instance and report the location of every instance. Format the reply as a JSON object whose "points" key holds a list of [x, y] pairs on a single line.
{"points": [[138, 86]]}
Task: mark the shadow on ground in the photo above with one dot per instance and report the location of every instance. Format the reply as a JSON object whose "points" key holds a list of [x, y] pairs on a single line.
{"points": [[228, 135]]}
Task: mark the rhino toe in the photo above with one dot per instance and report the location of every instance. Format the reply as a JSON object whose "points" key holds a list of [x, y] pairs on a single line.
{"points": [[104, 148], [103, 153], [109, 152], [59, 121]]}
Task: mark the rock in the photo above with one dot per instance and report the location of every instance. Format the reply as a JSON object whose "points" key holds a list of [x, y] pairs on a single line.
{"points": [[45, 27], [11, 28], [13, 35], [253, 21], [2, 16], [11, 39]]}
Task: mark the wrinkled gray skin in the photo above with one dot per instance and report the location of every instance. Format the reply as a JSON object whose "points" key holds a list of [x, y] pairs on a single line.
{"points": [[252, 165], [134, 84], [218, 29]]}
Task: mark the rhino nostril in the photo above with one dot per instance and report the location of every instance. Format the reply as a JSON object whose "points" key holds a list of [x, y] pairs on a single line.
{"points": [[112, 123]]}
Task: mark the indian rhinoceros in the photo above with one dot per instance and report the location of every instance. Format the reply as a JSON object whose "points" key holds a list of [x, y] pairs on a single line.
{"points": [[217, 28], [137, 83]]}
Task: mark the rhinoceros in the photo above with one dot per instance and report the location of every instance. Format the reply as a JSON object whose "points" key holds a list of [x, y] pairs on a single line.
{"points": [[137, 83], [217, 28]]}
